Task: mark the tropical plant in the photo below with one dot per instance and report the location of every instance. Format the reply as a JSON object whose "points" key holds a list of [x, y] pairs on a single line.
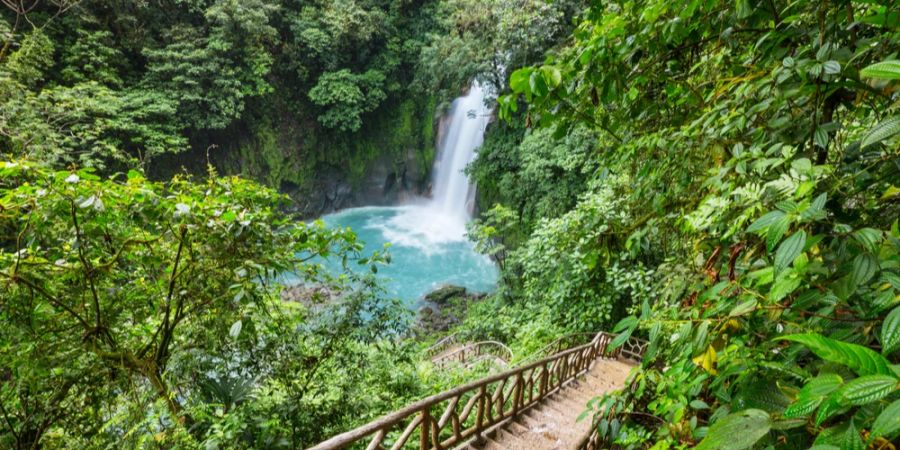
{"points": [[760, 145]]}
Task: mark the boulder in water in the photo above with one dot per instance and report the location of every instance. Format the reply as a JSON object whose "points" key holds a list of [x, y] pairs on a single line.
{"points": [[444, 294]]}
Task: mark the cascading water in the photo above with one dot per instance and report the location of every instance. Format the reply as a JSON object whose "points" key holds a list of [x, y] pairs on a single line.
{"points": [[429, 247], [468, 118]]}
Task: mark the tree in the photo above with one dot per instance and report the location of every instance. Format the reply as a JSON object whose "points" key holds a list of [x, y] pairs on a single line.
{"points": [[116, 292], [346, 97], [89, 124]]}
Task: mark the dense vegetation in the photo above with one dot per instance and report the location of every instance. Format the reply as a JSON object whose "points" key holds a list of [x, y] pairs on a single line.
{"points": [[287, 92], [719, 178], [142, 306]]}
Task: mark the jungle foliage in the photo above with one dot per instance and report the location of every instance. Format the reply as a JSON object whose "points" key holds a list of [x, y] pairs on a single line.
{"points": [[150, 314], [113, 85], [143, 315], [741, 214]]}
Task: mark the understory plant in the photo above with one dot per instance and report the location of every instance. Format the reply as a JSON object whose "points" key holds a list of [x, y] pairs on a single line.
{"points": [[760, 144]]}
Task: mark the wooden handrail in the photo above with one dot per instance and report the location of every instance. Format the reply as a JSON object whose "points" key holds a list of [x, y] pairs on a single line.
{"points": [[441, 345], [555, 346], [472, 408], [475, 349]]}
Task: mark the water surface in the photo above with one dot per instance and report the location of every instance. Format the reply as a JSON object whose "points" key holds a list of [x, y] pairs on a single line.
{"points": [[428, 249]]}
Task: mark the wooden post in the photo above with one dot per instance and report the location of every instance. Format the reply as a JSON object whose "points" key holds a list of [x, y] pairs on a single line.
{"points": [[542, 390], [436, 435], [426, 428], [517, 394], [479, 416]]}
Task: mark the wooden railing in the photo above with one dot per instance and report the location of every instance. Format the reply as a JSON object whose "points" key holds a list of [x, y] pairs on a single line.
{"points": [[474, 352], [557, 345], [441, 345], [632, 349], [453, 417]]}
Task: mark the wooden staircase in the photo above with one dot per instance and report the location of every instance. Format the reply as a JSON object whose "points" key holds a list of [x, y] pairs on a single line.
{"points": [[532, 406], [553, 423]]}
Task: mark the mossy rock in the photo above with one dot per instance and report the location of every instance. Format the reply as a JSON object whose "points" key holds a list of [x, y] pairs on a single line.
{"points": [[444, 294]]}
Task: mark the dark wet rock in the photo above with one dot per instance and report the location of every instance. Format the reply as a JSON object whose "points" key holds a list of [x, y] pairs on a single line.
{"points": [[443, 294], [444, 308]]}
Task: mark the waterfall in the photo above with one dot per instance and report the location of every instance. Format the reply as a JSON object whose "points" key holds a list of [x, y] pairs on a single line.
{"points": [[429, 246], [435, 223], [453, 193]]}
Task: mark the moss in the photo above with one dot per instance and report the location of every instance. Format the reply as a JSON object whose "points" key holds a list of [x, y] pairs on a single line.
{"points": [[279, 149]]}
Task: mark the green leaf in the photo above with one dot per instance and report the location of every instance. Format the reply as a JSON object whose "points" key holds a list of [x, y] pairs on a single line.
{"points": [[868, 238], [867, 389], [812, 395], [765, 221], [628, 323], [886, 129], [890, 332], [617, 341], [737, 431], [830, 407], [832, 67], [851, 440], [701, 335], [887, 425], [228, 216], [789, 250], [235, 329], [743, 308], [864, 268], [776, 231], [820, 137], [783, 287], [816, 210], [885, 70], [552, 76], [518, 81], [860, 359], [699, 404]]}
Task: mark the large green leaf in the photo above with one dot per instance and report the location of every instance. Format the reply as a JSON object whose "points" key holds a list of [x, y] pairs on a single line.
{"points": [[884, 130], [860, 359], [890, 332], [868, 238], [864, 268], [885, 70], [776, 231], [851, 440], [518, 81], [887, 425], [789, 250], [831, 406], [765, 221], [812, 395], [867, 389], [737, 431]]}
